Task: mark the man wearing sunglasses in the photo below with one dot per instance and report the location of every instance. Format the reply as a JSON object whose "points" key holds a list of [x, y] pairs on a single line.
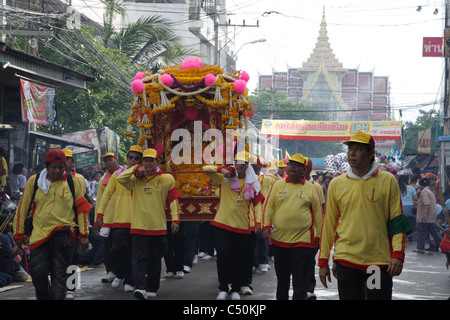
{"points": [[121, 222], [294, 209]]}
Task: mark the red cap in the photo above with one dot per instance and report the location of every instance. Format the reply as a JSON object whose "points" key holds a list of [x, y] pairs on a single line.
{"points": [[56, 155]]}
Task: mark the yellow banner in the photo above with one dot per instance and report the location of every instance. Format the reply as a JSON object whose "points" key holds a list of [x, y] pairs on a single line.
{"points": [[330, 130]]}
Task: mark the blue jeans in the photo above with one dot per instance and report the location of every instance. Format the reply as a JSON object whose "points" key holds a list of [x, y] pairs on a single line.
{"points": [[423, 228]]}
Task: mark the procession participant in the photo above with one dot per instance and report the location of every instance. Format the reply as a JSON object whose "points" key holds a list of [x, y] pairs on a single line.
{"points": [[237, 193], [70, 165], [312, 279], [293, 208], [281, 173], [54, 225], [152, 191], [364, 208], [121, 222], [103, 225]]}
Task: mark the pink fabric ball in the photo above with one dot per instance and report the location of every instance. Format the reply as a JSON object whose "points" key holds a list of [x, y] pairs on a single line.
{"points": [[139, 75], [137, 86], [210, 79], [191, 62], [245, 76], [167, 79], [240, 86]]}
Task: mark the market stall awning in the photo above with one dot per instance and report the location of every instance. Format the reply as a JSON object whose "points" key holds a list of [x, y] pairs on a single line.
{"points": [[330, 130]]}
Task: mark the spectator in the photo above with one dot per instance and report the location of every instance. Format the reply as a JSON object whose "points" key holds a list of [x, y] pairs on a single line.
{"points": [[408, 194]]}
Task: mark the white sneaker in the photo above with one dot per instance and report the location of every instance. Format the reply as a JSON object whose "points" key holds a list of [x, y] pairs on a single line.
{"points": [[169, 275], [128, 288], [263, 268], [109, 277], [207, 257], [235, 296], [116, 283], [179, 275], [140, 294], [246, 290], [187, 269], [222, 295], [151, 294], [201, 254], [311, 296]]}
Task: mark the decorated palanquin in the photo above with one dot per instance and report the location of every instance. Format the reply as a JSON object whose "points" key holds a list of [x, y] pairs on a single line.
{"points": [[181, 97]]}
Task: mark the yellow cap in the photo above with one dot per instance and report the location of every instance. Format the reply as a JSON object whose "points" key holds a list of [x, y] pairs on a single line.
{"points": [[361, 137], [109, 154], [242, 156], [136, 148], [68, 152], [150, 153], [281, 164], [298, 158]]}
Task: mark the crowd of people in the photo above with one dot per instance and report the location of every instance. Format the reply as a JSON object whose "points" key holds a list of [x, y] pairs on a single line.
{"points": [[117, 220]]}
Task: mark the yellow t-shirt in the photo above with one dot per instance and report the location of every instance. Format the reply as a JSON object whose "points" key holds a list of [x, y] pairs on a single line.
{"points": [[295, 212], [123, 204], [360, 212], [51, 211], [233, 211], [151, 195]]}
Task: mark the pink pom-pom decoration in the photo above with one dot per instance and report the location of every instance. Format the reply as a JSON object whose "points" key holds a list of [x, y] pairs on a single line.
{"points": [[139, 75], [245, 76], [167, 79], [191, 62], [137, 86], [240, 86], [210, 79]]}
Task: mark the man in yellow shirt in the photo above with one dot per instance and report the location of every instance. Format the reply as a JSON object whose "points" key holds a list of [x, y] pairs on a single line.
{"points": [[312, 278], [364, 221], [103, 225], [121, 222], [54, 225], [294, 210], [232, 221], [152, 191]]}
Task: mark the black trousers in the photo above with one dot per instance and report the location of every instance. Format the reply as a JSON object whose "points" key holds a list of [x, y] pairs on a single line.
{"points": [[231, 249], [121, 255], [295, 262], [353, 284], [174, 257], [147, 253], [249, 259], [53, 257]]}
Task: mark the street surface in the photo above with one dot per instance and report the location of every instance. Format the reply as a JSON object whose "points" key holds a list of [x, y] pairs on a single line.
{"points": [[424, 277]]}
